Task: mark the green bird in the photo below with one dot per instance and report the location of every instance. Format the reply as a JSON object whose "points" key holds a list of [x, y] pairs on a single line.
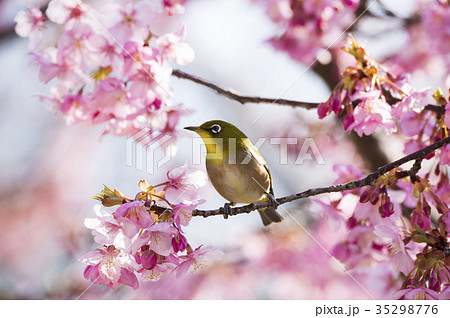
{"points": [[236, 169]]}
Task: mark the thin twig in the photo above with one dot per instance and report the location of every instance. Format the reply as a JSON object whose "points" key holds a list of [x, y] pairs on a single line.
{"points": [[439, 110], [387, 13], [418, 156], [412, 173], [241, 98]]}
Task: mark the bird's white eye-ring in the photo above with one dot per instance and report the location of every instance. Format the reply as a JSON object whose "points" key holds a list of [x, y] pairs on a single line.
{"points": [[215, 129]]}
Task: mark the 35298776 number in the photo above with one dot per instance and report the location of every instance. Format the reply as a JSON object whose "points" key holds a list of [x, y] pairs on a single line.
{"points": [[406, 309]]}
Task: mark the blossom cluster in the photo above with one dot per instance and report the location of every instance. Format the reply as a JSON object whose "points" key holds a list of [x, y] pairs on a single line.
{"points": [[403, 217], [369, 97], [364, 94], [108, 65], [379, 233], [309, 27], [144, 238], [426, 49], [401, 222]]}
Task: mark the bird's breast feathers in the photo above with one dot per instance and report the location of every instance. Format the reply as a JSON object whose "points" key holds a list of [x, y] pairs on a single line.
{"points": [[242, 178]]}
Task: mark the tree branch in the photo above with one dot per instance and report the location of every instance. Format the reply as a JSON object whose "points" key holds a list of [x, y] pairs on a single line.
{"points": [[7, 33], [368, 180], [241, 98]]}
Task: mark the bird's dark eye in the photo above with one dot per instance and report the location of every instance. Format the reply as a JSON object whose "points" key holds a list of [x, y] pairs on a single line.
{"points": [[215, 129]]}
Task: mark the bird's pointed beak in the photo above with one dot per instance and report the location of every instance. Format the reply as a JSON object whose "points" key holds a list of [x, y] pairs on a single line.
{"points": [[193, 128]]}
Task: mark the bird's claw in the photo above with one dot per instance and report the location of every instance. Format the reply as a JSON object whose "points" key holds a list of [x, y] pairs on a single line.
{"points": [[272, 201], [226, 210]]}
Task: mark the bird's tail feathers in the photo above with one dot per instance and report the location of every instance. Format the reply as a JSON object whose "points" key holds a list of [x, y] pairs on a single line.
{"points": [[270, 215]]}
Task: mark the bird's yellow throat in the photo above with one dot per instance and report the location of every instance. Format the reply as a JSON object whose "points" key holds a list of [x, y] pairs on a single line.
{"points": [[214, 146]]}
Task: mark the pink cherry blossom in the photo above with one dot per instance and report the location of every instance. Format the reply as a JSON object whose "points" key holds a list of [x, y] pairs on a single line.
{"points": [[63, 11], [413, 146], [427, 43], [136, 213], [184, 184], [159, 238], [172, 118], [421, 219], [279, 11], [330, 211], [415, 103], [346, 173], [394, 240], [111, 267], [129, 21], [124, 86], [183, 214], [109, 54], [309, 26], [367, 211], [445, 293], [413, 293], [447, 115], [198, 259], [174, 6], [154, 250], [150, 84], [360, 246], [445, 155], [112, 99], [137, 58], [372, 113], [410, 200], [30, 25], [157, 272], [74, 106], [79, 45], [173, 49], [109, 231], [51, 66]]}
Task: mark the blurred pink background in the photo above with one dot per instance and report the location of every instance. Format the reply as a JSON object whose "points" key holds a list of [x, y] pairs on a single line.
{"points": [[50, 171]]}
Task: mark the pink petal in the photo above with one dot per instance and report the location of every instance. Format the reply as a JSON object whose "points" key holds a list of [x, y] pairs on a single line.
{"points": [[128, 278]]}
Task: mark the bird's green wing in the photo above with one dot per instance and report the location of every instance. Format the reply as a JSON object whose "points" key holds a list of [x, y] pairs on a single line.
{"points": [[257, 155], [271, 181], [254, 151]]}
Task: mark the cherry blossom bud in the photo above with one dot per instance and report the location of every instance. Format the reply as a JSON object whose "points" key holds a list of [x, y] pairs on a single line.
{"points": [[347, 121], [148, 259], [351, 222], [374, 196], [335, 104], [323, 110], [179, 243], [386, 209], [419, 218], [426, 207], [435, 284], [365, 196]]}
